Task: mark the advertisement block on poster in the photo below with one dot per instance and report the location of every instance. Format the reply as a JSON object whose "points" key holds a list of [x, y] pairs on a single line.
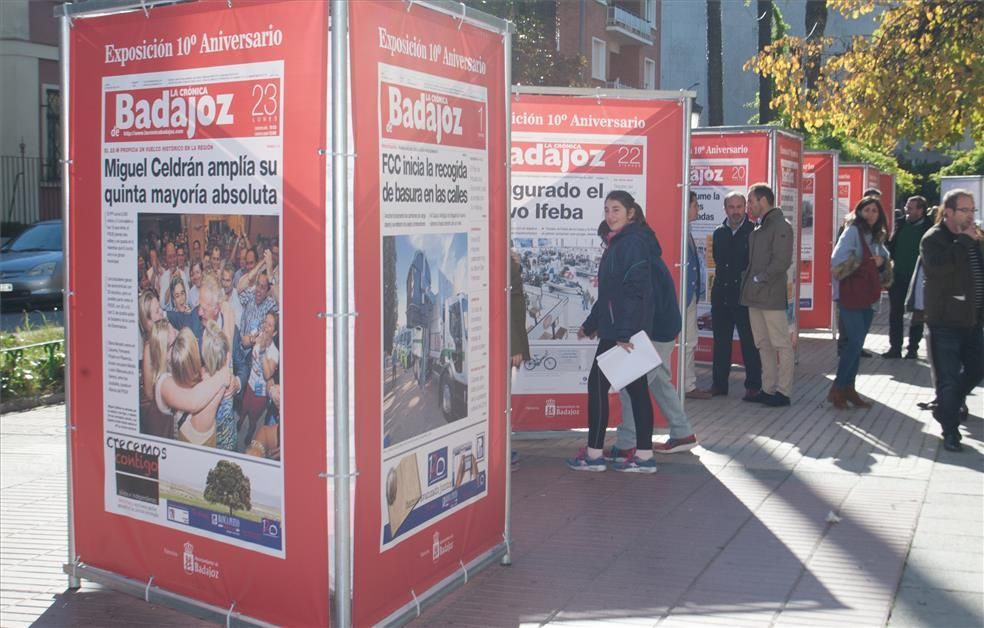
{"points": [[184, 190], [808, 243], [721, 164], [849, 179], [428, 102], [819, 228], [567, 154]]}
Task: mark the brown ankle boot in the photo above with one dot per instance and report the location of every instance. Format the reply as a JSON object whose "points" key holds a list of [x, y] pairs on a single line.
{"points": [[853, 396], [837, 398]]}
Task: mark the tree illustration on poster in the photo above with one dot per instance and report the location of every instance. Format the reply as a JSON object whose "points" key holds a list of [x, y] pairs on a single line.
{"points": [[228, 485]]}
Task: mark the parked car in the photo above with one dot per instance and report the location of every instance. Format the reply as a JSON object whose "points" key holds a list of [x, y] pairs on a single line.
{"points": [[31, 267]]}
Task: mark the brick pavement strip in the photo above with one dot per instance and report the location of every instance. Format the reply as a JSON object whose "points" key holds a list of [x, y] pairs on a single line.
{"points": [[733, 534]]}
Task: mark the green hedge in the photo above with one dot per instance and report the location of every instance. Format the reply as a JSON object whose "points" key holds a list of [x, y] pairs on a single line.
{"points": [[26, 373]]}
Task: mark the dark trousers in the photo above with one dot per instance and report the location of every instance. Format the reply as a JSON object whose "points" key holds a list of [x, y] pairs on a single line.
{"points": [[724, 320], [642, 408], [958, 361], [896, 317]]}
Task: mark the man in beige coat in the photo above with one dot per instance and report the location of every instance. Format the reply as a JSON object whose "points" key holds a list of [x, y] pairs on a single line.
{"points": [[763, 291]]}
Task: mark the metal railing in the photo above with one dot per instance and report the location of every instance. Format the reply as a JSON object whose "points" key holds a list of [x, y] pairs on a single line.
{"points": [[14, 354], [617, 84], [629, 21], [29, 189]]}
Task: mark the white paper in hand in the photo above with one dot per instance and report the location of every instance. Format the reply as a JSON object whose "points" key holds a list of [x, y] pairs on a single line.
{"points": [[622, 367]]}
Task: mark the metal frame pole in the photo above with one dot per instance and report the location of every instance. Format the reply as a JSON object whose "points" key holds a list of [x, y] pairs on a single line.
{"points": [[342, 615], [65, 29], [507, 77], [835, 203], [684, 232]]}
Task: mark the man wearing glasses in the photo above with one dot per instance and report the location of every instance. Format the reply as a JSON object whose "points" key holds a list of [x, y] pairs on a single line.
{"points": [[953, 261]]}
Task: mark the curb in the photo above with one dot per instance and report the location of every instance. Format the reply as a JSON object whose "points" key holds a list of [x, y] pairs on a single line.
{"points": [[18, 405]]}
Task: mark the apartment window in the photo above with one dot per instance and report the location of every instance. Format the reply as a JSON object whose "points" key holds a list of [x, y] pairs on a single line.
{"points": [[649, 11], [599, 54], [51, 131], [649, 73]]}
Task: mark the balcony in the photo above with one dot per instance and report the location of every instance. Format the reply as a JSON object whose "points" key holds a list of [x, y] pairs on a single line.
{"points": [[619, 84], [631, 27]]}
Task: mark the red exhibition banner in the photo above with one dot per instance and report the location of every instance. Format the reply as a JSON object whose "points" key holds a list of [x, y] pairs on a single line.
{"points": [[854, 180], [430, 246], [197, 201], [721, 163], [886, 183], [820, 216], [568, 152]]}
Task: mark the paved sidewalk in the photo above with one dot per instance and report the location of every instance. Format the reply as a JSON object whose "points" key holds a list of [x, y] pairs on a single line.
{"points": [[800, 516]]}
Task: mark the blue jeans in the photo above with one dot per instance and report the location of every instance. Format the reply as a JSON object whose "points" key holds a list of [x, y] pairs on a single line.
{"points": [[666, 398], [856, 324], [958, 362]]}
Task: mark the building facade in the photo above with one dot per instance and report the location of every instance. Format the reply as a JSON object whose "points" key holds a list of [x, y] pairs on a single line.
{"points": [[30, 110], [618, 38]]}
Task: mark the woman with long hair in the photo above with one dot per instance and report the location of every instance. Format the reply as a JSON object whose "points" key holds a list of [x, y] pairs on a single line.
{"points": [[180, 391], [623, 308], [149, 313], [860, 263]]}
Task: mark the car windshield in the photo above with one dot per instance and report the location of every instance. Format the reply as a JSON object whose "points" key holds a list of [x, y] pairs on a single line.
{"points": [[38, 238]]}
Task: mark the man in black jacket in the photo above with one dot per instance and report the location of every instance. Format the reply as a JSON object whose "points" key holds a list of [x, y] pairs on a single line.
{"points": [[953, 260], [727, 313], [904, 247]]}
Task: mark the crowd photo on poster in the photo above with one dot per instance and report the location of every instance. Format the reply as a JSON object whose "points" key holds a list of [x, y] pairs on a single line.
{"points": [[208, 308]]}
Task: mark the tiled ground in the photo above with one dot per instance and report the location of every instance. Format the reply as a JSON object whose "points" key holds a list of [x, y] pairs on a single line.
{"points": [[783, 517]]}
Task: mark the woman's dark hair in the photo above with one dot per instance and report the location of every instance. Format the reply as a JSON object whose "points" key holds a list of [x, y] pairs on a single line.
{"points": [[880, 224], [623, 197]]}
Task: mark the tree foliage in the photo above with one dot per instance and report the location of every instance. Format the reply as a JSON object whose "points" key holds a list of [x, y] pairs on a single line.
{"points": [[969, 162], [535, 59], [918, 78], [228, 485]]}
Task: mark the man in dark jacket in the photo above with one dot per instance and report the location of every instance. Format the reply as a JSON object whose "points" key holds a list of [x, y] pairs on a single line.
{"points": [[904, 247], [764, 292], [727, 312], [953, 260]]}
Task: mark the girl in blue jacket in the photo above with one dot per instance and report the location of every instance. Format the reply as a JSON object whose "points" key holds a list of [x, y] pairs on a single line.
{"points": [[624, 307]]}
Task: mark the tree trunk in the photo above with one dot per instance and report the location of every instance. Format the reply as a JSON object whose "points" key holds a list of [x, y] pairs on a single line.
{"points": [[816, 24], [765, 15], [715, 73]]}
